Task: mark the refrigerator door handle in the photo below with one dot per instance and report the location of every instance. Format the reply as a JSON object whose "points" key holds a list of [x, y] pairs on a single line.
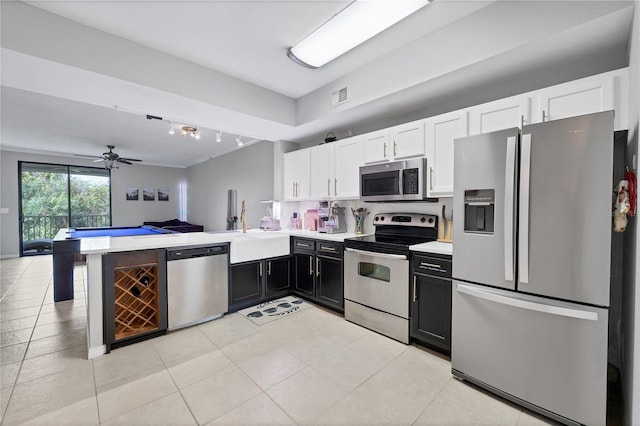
{"points": [[524, 304], [509, 177], [523, 234]]}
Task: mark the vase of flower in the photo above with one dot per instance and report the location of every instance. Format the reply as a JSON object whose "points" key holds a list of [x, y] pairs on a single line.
{"points": [[359, 215]]}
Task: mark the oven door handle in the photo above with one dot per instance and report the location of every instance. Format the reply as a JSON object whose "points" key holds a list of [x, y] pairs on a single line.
{"points": [[375, 254]]}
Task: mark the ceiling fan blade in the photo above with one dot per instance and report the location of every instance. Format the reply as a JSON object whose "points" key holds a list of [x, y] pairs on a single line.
{"points": [[130, 159], [123, 160], [98, 160], [84, 156]]}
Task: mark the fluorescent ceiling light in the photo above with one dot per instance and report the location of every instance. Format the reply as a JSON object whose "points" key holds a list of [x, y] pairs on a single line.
{"points": [[354, 25]]}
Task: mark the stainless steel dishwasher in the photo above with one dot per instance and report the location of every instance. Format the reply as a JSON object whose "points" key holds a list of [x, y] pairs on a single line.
{"points": [[197, 284]]}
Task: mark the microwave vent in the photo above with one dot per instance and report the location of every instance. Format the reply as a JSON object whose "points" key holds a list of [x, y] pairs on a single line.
{"points": [[339, 97]]}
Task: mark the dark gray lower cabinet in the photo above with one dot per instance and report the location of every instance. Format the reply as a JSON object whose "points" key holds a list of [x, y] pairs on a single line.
{"points": [[254, 282], [431, 301], [318, 271]]}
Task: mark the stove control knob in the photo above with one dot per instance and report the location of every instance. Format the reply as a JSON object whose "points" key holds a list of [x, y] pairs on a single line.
{"points": [[382, 218], [423, 220], [430, 220], [376, 218]]}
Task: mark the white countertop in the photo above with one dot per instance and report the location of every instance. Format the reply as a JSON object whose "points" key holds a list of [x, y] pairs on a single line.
{"points": [[434, 247], [99, 245]]}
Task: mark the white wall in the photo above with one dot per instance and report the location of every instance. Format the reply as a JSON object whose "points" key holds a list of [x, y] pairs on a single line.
{"points": [[124, 213], [248, 170], [631, 297]]}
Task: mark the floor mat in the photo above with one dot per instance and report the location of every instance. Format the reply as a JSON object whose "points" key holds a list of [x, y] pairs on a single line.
{"points": [[274, 309]]}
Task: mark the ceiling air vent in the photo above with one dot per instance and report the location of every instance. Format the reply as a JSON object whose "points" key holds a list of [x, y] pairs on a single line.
{"points": [[339, 97]]}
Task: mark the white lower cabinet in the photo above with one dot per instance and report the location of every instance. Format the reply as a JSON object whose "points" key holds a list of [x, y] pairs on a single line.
{"points": [[440, 132]]}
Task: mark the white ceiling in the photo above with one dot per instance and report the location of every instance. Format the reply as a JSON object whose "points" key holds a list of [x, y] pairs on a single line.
{"points": [[248, 40]]}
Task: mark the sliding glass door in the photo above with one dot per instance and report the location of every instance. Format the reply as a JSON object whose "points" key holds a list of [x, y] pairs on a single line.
{"points": [[54, 196]]}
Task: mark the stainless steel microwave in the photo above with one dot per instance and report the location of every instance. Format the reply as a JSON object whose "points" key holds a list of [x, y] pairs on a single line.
{"points": [[395, 181]]}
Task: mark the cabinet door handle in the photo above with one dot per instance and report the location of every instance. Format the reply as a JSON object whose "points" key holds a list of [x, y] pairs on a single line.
{"points": [[415, 297], [384, 150], [521, 121], [269, 268], [260, 264], [328, 187], [293, 189], [335, 187], [310, 265], [317, 266], [394, 148], [544, 116], [431, 178]]}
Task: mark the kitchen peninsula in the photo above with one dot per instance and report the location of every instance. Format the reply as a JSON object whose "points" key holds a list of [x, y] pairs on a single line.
{"points": [[253, 245]]}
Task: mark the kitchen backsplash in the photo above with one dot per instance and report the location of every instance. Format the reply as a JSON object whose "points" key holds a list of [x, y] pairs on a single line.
{"points": [[288, 208]]}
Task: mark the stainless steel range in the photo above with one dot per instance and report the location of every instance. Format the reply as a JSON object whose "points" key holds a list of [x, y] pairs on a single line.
{"points": [[376, 272]]}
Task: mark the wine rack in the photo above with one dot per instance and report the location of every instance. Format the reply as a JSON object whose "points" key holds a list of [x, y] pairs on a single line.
{"points": [[135, 296]]}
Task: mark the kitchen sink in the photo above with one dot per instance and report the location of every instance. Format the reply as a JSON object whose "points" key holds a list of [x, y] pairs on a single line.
{"points": [[258, 245]]}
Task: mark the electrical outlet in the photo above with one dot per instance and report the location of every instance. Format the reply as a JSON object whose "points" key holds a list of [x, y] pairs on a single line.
{"points": [[4, 210]]}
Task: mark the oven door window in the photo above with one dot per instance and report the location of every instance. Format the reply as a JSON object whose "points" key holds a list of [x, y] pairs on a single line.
{"points": [[381, 183], [375, 271]]}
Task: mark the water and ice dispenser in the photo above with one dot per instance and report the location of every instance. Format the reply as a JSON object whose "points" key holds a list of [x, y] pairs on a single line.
{"points": [[479, 205]]}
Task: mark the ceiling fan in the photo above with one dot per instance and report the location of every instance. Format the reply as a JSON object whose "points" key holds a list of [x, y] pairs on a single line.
{"points": [[110, 159]]}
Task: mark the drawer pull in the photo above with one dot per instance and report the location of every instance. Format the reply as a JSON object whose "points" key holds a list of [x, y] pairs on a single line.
{"points": [[303, 245], [430, 265], [328, 249]]}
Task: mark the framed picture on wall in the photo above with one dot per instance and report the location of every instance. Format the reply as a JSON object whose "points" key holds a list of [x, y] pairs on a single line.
{"points": [[133, 194], [148, 194], [163, 195]]}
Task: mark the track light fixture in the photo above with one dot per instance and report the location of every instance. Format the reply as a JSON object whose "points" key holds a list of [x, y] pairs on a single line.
{"points": [[218, 136], [172, 131], [239, 141]]}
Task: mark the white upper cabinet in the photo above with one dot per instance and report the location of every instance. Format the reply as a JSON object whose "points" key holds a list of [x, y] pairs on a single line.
{"points": [[347, 161], [407, 140], [376, 146], [322, 171], [500, 114], [398, 142], [440, 133], [297, 175], [584, 96]]}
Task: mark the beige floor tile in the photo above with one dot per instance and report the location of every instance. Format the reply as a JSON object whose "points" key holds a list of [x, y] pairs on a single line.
{"points": [[168, 410], [182, 343], [125, 362], [61, 315], [17, 324], [260, 410], [18, 294], [400, 395], [20, 313], [255, 345], [306, 395], [228, 329], [218, 394], [377, 347], [5, 393], [56, 362], [351, 411], [80, 413], [528, 418], [343, 332], [56, 343], [47, 394], [188, 371], [54, 328], [13, 353], [480, 403], [9, 374], [11, 306], [346, 368], [272, 367], [444, 412], [66, 305], [16, 336], [309, 348], [118, 398]]}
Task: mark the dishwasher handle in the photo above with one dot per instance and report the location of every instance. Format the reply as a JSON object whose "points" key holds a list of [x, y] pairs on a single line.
{"points": [[192, 252]]}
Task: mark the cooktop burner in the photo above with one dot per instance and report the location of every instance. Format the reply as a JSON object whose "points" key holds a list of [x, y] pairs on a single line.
{"points": [[395, 232]]}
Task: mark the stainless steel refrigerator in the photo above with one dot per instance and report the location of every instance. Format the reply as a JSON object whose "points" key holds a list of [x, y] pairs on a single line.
{"points": [[532, 264]]}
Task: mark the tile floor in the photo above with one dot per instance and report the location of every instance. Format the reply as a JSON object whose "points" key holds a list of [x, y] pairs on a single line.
{"points": [[309, 368]]}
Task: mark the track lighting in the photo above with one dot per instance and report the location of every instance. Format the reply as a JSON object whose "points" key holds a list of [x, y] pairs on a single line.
{"points": [[219, 136], [172, 131], [189, 130], [197, 136], [239, 141]]}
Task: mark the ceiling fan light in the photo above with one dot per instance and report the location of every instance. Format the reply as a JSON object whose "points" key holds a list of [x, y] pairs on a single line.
{"points": [[355, 24]]}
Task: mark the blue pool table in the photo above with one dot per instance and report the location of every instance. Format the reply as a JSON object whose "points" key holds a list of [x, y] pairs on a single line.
{"points": [[67, 244]]}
